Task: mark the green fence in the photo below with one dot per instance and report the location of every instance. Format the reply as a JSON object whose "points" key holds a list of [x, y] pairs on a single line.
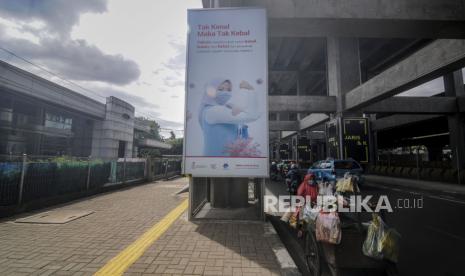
{"points": [[164, 167], [27, 178]]}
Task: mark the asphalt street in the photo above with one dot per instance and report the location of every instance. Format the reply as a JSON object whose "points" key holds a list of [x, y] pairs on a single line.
{"points": [[433, 236], [432, 227]]}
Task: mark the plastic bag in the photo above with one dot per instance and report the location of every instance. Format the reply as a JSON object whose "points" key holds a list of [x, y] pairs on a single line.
{"points": [[286, 216], [347, 185], [310, 215], [325, 188], [328, 228], [371, 245], [389, 245], [293, 220], [381, 242]]}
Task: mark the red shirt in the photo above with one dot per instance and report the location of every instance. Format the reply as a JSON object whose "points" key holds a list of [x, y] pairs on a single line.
{"points": [[306, 189]]}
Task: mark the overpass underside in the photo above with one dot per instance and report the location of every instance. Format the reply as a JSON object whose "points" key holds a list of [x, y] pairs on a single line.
{"points": [[398, 63]]}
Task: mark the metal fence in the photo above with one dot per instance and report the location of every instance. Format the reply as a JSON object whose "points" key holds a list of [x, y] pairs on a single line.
{"points": [[164, 167], [27, 178]]}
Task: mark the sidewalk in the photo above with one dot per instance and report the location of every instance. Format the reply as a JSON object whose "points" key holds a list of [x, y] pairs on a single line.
{"points": [[85, 245]]}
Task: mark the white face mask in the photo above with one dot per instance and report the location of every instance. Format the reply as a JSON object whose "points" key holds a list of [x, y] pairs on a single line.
{"points": [[222, 97]]}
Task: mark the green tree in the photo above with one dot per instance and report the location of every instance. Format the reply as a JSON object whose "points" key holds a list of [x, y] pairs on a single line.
{"points": [[154, 131], [148, 152], [176, 146]]}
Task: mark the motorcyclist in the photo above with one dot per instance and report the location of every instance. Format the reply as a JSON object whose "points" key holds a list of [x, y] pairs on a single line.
{"points": [[274, 171], [293, 179]]}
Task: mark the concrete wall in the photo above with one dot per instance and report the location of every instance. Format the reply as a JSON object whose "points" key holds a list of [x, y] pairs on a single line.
{"points": [[118, 125]]}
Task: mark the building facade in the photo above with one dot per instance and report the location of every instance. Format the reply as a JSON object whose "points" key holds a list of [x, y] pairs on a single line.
{"points": [[39, 117]]}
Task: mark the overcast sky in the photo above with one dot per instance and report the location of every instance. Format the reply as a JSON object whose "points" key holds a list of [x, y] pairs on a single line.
{"points": [[134, 50]]}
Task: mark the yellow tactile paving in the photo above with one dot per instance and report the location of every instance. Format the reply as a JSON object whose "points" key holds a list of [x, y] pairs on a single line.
{"points": [[121, 262]]}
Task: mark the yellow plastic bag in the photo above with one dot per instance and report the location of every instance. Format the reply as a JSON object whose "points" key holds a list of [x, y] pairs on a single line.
{"points": [[389, 245], [293, 221], [344, 185], [381, 242], [347, 185], [371, 245]]}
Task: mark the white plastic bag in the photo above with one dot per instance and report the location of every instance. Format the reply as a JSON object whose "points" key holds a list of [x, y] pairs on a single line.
{"points": [[286, 217], [310, 215], [328, 228]]}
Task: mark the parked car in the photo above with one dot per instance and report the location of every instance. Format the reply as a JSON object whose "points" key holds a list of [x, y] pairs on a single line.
{"points": [[333, 169]]}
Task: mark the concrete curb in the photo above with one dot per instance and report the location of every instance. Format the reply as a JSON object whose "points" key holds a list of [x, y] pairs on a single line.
{"points": [[286, 263], [293, 249]]}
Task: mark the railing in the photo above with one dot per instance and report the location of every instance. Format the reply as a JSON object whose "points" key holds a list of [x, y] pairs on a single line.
{"points": [[27, 178], [164, 167], [422, 170]]}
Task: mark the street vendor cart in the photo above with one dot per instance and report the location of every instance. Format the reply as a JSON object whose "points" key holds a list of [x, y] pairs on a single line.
{"points": [[347, 253]]}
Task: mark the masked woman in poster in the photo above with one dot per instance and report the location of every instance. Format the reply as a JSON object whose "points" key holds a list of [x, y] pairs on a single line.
{"points": [[223, 122]]}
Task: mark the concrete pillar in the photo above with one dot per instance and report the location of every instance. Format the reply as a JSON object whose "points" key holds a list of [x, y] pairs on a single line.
{"points": [[373, 141], [117, 126], [343, 59], [453, 84]]}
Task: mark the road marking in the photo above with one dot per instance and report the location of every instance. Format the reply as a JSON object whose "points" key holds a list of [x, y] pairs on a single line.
{"points": [[121, 262], [450, 235], [446, 199]]}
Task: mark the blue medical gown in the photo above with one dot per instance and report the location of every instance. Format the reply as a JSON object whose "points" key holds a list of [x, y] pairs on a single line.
{"points": [[217, 136]]}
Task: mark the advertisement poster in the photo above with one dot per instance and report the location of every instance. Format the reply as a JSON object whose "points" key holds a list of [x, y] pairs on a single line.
{"points": [[226, 125]]}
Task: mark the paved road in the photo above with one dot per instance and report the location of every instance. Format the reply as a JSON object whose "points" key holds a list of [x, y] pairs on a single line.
{"points": [[433, 237]]}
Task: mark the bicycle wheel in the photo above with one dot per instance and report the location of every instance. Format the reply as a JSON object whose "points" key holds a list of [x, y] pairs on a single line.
{"points": [[312, 254]]}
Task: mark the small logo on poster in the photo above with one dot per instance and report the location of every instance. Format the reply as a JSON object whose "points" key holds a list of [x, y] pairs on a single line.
{"points": [[197, 166], [225, 166]]}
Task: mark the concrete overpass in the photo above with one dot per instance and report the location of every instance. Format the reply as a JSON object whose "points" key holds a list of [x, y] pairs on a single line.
{"points": [[40, 117], [333, 59]]}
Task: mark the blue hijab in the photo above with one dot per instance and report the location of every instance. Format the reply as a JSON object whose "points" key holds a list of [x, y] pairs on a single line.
{"points": [[220, 99], [216, 137]]}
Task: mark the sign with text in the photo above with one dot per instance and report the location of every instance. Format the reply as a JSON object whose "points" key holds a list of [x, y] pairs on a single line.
{"points": [[226, 123], [332, 139], [303, 149], [355, 131]]}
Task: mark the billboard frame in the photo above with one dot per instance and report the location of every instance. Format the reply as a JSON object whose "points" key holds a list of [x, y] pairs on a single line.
{"points": [[186, 85]]}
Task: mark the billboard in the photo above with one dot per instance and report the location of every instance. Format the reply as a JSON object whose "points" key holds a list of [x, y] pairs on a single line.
{"points": [[226, 114]]}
